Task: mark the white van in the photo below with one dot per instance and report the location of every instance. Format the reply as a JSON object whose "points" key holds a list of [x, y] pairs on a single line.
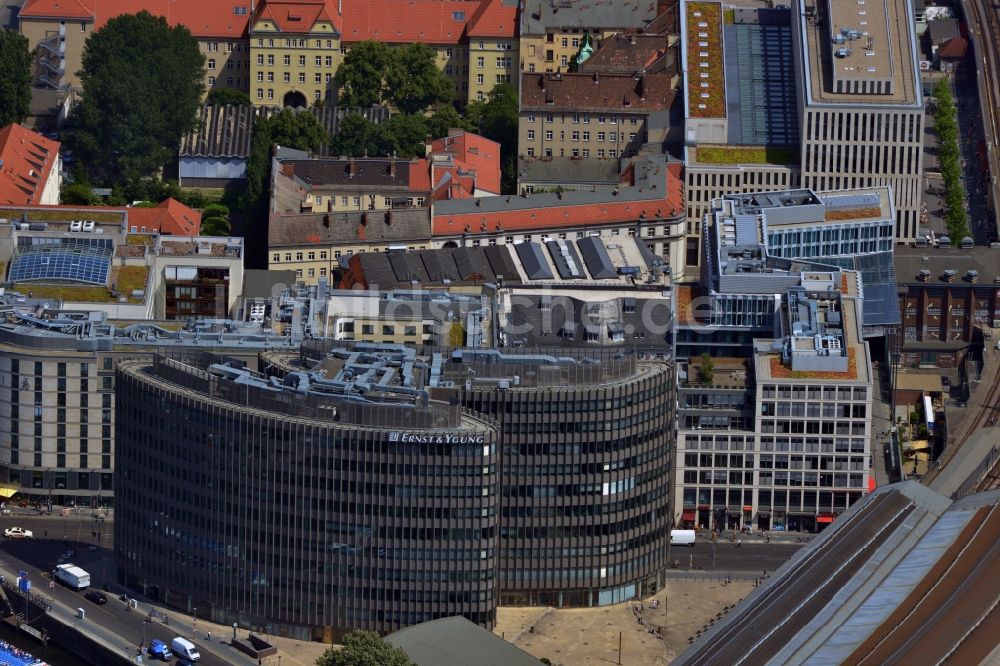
{"points": [[184, 648], [682, 538]]}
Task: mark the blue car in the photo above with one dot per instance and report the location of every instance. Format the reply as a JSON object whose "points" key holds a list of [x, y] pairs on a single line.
{"points": [[159, 650]]}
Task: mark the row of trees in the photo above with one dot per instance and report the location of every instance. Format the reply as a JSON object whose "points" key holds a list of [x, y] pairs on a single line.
{"points": [[950, 159], [15, 78]]}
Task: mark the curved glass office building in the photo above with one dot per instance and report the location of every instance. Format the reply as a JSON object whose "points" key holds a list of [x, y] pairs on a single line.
{"points": [[309, 505], [367, 486]]}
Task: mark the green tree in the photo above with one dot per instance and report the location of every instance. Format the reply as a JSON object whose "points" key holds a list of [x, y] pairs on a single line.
{"points": [[402, 135], [215, 220], [364, 648], [360, 78], [78, 193], [497, 120], [15, 77], [413, 81], [223, 96], [354, 137], [706, 370], [142, 86], [444, 118]]}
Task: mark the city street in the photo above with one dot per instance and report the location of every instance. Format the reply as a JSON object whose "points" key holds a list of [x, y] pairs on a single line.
{"points": [[750, 557], [39, 556]]}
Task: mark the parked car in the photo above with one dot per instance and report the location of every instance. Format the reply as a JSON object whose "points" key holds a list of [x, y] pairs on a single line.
{"points": [[18, 533], [98, 598]]}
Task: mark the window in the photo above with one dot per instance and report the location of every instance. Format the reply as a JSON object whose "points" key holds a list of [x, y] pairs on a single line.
{"points": [[211, 64], [270, 93], [317, 78], [298, 272], [480, 62], [531, 117], [565, 42], [576, 152], [270, 61], [276, 258], [270, 77], [319, 61], [600, 152], [287, 60], [328, 61], [302, 77], [548, 135], [388, 329], [531, 152], [211, 80], [312, 272], [575, 136], [564, 61], [260, 59], [531, 135], [260, 76], [600, 136], [586, 152], [302, 61], [479, 79], [298, 256], [260, 92], [601, 120], [586, 136], [286, 77]]}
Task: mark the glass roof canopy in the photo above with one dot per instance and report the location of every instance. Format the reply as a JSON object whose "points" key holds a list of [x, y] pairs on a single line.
{"points": [[83, 260]]}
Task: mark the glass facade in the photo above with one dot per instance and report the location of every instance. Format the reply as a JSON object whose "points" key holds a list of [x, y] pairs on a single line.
{"points": [[309, 527]]}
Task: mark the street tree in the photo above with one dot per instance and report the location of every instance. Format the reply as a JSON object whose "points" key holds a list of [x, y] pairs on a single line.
{"points": [[360, 78], [364, 648], [15, 78], [143, 82]]}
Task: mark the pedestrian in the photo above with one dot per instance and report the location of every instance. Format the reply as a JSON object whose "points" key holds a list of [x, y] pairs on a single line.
{"points": [[739, 543], [208, 636]]}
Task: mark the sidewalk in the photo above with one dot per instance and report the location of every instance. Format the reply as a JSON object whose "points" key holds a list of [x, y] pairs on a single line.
{"points": [[291, 651]]}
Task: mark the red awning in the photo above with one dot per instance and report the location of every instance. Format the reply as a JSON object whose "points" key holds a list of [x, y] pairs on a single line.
{"points": [[689, 514], [871, 484], [748, 508], [825, 518]]}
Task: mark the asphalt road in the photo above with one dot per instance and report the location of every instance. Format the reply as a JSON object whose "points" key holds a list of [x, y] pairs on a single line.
{"points": [[749, 558], [39, 556]]}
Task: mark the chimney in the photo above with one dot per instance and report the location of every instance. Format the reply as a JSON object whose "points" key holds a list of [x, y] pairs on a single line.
{"points": [[631, 39], [326, 220], [352, 168], [392, 167], [597, 77]]}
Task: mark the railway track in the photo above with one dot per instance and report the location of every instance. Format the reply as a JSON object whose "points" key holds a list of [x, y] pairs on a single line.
{"points": [[983, 17]]}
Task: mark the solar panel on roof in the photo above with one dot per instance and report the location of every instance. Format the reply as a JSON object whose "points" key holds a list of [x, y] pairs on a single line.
{"points": [[566, 260], [533, 261], [851, 200], [595, 255]]}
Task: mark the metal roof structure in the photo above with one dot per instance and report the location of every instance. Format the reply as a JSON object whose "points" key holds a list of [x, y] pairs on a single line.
{"points": [[904, 576], [535, 266], [595, 255], [455, 641]]}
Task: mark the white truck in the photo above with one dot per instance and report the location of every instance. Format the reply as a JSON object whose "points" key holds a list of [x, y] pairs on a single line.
{"points": [[73, 576]]}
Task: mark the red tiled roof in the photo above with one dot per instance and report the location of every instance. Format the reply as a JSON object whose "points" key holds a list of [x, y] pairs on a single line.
{"points": [[299, 16], [26, 159], [420, 176], [954, 48], [494, 18], [406, 21], [76, 9], [212, 18], [474, 153], [567, 215], [167, 217], [610, 92]]}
